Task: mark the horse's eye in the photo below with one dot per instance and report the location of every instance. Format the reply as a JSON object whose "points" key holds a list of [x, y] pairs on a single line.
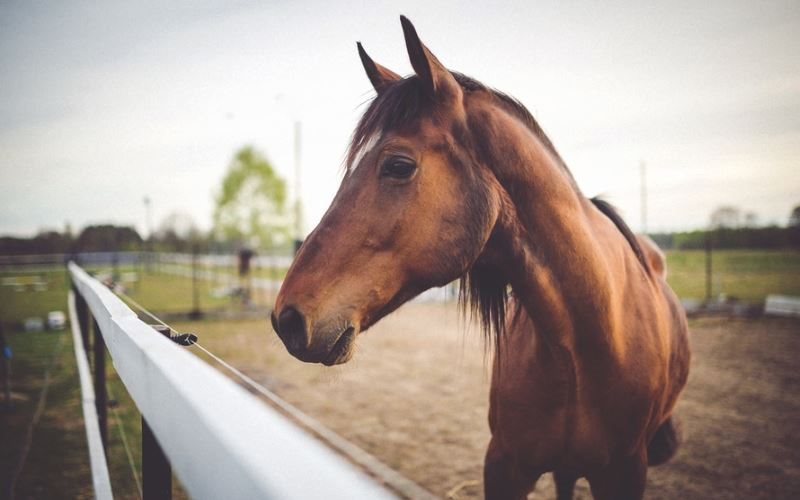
{"points": [[398, 167]]}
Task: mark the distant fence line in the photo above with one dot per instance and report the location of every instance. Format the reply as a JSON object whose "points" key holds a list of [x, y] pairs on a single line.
{"points": [[134, 258], [227, 260], [218, 268], [182, 268], [221, 441]]}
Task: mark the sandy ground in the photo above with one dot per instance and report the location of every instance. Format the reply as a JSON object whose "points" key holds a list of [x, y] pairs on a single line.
{"points": [[416, 397]]}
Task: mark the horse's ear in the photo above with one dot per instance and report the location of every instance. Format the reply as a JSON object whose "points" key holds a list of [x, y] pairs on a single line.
{"points": [[377, 74], [437, 79]]}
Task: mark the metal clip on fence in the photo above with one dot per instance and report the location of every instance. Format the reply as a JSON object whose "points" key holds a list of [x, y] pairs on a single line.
{"points": [[184, 339]]}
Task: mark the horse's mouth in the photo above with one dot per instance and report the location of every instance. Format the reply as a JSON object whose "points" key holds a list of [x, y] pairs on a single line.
{"points": [[343, 349]]}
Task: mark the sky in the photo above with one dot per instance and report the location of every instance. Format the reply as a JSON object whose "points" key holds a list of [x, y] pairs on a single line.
{"points": [[105, 103]]}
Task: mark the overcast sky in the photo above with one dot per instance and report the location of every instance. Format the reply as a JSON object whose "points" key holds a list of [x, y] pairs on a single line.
{"points": [[102, 103]]}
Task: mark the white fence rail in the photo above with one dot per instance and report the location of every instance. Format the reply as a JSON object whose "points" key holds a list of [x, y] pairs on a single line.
{"points": [[782, 305], [222, 442], [97, 454]]}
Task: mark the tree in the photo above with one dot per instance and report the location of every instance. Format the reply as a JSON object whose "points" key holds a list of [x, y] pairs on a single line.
{"points": [[46, 242], [177, 232], [108, 238], [750, 219], [250, 208], [726, 216], [794, 218]]}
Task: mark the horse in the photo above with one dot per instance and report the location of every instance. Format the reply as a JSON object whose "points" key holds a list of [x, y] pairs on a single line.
{"points": [[446, 178]]}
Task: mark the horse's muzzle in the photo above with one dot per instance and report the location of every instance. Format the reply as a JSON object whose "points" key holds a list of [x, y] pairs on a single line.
{"points": [[325, 345]]}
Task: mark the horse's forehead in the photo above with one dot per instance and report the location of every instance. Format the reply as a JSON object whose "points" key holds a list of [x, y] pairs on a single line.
{"points": [[365, 149], [424, 130]]}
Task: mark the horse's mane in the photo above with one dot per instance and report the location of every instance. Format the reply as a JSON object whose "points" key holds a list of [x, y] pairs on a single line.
{"points": [[401, 103], [610, 212]]}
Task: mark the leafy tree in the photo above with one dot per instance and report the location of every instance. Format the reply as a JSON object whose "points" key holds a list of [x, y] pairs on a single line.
{"points": [[726, 216], [108, 238], [794, 218], [46, 242], [178, 232], [250, 207], [750, 219]]}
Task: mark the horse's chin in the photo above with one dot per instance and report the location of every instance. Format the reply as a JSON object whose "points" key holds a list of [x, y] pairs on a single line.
{"points": [[343, 349]]}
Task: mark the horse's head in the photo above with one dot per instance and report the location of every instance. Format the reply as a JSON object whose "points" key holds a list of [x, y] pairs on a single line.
{"points": [[413, 212]]}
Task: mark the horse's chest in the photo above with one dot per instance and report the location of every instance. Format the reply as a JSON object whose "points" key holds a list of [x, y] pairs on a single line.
{"points": [[556, 415]]}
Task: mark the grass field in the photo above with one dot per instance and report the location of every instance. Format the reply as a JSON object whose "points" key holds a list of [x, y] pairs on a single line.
{"points": [[58, 438], [57, 463], [749, 275], [158, 291], [58, 445]]}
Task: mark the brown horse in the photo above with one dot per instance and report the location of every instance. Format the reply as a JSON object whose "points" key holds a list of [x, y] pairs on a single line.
{"points": [[447, 178]]}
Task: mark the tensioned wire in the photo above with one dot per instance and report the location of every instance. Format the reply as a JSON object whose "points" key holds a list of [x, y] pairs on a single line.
{"points": [[375, 467], [124, 438]]}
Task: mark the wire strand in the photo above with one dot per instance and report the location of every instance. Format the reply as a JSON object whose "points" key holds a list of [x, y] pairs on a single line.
{"points": [[125, 442], [141, 308], [246, 379], [386, 474]]}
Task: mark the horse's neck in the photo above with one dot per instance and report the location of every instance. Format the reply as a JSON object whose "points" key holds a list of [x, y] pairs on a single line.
{"points": [[549, 240]]}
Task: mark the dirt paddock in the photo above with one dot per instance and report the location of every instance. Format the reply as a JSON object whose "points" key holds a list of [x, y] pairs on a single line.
{"points": [[416, 397]]}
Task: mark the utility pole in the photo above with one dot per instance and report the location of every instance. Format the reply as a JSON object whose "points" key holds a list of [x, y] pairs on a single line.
{"points": [[195, 313], [148, 221], [643, 193], [709, 271]]}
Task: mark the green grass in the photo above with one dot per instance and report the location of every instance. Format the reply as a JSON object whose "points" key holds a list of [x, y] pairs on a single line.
{"points": [[57, 464], [259, 272], [18, 303], [749, 275], [170, 293], [166, 292], [158, 291]]}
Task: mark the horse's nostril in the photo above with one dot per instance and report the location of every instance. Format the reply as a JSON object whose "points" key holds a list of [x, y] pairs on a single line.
{"points": [[292, 329], [274, 321]]}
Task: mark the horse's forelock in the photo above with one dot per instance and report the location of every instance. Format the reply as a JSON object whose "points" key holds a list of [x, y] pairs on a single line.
{"points": [[396, 106]]}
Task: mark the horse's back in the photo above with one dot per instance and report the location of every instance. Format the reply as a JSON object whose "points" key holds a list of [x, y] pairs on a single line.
{"points": [[655, 257]]}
